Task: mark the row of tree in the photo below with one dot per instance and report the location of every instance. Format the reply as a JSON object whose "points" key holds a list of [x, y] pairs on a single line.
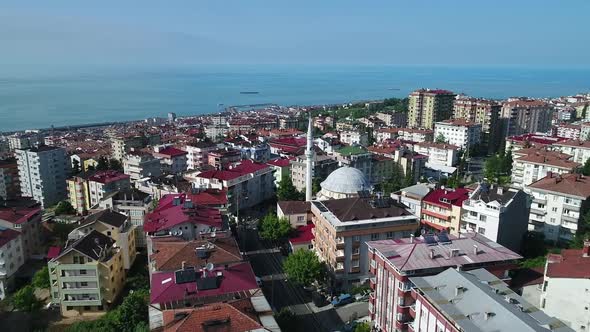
{"points": [[498, 167]]}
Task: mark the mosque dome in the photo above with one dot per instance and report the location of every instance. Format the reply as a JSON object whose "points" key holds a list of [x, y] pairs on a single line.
{"points": [[345, 181]]}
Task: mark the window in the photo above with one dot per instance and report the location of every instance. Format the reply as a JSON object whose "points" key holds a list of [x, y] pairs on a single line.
{"points": [[473, 214], [374, 236], [483, 218], [356, 263], [389, 235], [356, 251], [300, 218], [481, 230], [82, 271], [554, 209], [552, 220], [540, 206], [76, 260], [84, 284], [357, 238], [109, 233]]}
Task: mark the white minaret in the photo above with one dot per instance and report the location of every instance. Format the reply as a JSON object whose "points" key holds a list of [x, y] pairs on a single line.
{"points": [[309, 161]]}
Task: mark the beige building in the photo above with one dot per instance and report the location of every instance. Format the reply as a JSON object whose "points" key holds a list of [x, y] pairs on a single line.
{"points": [[429, 106], [481, 111], [527, 116]]}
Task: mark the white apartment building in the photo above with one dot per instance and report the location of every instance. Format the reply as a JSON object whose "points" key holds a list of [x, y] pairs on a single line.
{"points": [[104, 183], [416, 135], [354, 138], [530, 165], [43, 173], [26, 221], [568, 130], [459, 132], [141, 165], [386, 134], [172, 160], [439, 153], [579, 150], [500, 214], [557, 202], [412, 197], [11, 258], [19, 141], [197, 154]]}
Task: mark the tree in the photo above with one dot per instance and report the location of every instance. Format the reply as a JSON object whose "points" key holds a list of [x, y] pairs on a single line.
{"points": [[303, 267], [64, 207], [363, 327], [395, 182], [506, 163], [409, 178], [316, 185], [25, 300], [41, 278], [287, 320], [76, 167], [287, 191], [586, 168], [115, 165], [103, 164], [440, 138], [274, 228]]}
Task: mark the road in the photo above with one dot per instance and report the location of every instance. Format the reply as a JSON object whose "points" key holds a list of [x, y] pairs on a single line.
{"points": [[267, 264]]}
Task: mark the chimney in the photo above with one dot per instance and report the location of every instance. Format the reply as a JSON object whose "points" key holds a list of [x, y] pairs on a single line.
{"points": [[411, 238], [586, 249], [431, 253], [475, 249]]}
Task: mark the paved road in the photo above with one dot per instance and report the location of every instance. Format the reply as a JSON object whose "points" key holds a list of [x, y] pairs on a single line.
{"points": [[267, 265]]}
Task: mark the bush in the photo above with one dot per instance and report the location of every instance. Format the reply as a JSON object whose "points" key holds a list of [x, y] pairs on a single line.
{"points": [[25, 300], [41, 278], [303, 267]]}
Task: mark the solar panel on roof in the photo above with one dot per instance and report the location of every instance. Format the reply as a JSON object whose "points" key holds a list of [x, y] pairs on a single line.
{"points": [[207, 283], [185, 276], [443, 238], [430, 239]]}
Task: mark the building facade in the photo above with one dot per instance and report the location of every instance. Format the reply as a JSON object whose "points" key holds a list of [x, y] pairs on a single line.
{"points": [[26, 221], [197, 154], [11, 258], [459, 132], [9, 180], [429, 106], [141, 165], [527, 116]]}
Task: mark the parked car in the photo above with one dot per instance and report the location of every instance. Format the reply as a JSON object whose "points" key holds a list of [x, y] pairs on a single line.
{"points": [[362, 297], [343, 299]]}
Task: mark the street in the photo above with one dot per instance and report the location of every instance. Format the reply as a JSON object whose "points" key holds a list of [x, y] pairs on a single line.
{"points": [[266, 261]]}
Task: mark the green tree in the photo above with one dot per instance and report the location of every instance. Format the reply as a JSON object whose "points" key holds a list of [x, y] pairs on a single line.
{"points": [[316, 186], [586, 168], [114, 164], [274, 228], [25, 300], [64, 207], [395, 182], [363, 327], [41, 278], [103, 164], [506, 162], [492, 168], [287, 191], [303, 267], [409, 178], [584, 111], [440, 138]]}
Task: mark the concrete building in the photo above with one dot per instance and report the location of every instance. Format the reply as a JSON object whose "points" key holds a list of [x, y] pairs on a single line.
{"points": [[357, 157], [281, 169], [569, 131], [88, 275], [381, 168], [527, 116], [120, 146], [354, 138], [323, 165], [530, 165], [42, 172], [23, 141], [500, 214], [27, 221], [429, 106], [78, 194], [442, 209], [342, 226], [393, 119], [558, 202], [11, 258], [565, 281], [578, 149], [412, 197], [5, 151], [459, 132], [9, 180], [197, 154], [140, 165], [416, 135], [394, 262], [297, 212], [473, 301], [103, 183], [484, 112], [172, 160], [222, 158], [439, 153]]}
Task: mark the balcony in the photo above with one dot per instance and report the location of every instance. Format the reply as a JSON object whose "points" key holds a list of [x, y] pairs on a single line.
{"points": [[538, 212], [539, 200], [572, 207], [79, 290], [81, 303], [569, 218]]}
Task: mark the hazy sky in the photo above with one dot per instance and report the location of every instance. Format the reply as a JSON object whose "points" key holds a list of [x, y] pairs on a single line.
{"points": [[474, 32]]}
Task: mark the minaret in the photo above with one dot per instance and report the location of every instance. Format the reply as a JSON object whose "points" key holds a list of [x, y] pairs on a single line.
{"points": [[309, 161]]}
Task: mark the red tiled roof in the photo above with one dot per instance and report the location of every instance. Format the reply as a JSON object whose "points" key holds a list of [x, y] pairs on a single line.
{"points": [[454, 197], [209, 197], [569, 264], [575, 144], [245, 167], [108, 176], [53, 252], [167, 215], [7, 235], [169, 255], [571, 184], [18, 215], [281, 162], [239, 278], [304, 234], [550, 158], [171, 152], [547, 140]]}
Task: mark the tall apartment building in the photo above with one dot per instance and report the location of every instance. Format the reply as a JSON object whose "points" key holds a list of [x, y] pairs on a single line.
{"points": [[439, 153], [530, 165], [23, 141], [342, 226], [473, 301], [527, 116], [558, 200], [78, 194], [578, 149], [323, 165], [27, 221], [141, 165], [393, 119], [88, 274], [9, 180], [120, 146], [42, 172], [484, 112], [429, 106], [459, 132], [197, 156], [105, 182], [500, 214], [11, 258], [394, 262]]}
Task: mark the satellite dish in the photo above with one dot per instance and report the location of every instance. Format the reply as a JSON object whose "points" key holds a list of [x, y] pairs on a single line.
{"points": [[209, 267], [179, 233]]}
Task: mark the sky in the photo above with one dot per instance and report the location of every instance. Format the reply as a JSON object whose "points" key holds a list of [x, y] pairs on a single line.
{"points": [[371, 32]]}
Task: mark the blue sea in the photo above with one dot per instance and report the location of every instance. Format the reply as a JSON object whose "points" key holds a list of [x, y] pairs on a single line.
{"points": [[41, 98]]}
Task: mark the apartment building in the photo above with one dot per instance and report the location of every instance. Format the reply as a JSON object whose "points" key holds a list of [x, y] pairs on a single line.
{"points": [[530, 165], [569, 131], [9, 179], [221, 158], [412, 197], [499, 213], [323, 165], [197, 154], [558, 200], [354, 138], [116, 226], [281, 168], [78, 194], [23, 141], [563, 291], [172, 160], [297, 212], [459, 132], [578, 149], [473, 301], [42, 172], [442, 209], [133, 203], [103, 183], [357, 157], [527, 116], [394, 262], [139, 165], [439, 153], [416, 135], [120, 146], [11, 258], [484, 112], [427, 107], [393, 118], [27, 221], [342, 226], [87, 275]]}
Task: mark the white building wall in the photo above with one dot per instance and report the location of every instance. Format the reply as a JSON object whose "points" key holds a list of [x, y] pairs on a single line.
{"points": [[11, 259], [554, 214], [568, 299]]}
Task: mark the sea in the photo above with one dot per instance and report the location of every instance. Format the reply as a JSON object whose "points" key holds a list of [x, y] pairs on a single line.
{"points": [[67, 96]]}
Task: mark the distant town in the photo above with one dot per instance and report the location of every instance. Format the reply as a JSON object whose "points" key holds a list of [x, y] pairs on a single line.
{"points": [[434, 212]]}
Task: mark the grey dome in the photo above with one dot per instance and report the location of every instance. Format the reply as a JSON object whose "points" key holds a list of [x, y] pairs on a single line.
{"points": [[346, 180]]}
